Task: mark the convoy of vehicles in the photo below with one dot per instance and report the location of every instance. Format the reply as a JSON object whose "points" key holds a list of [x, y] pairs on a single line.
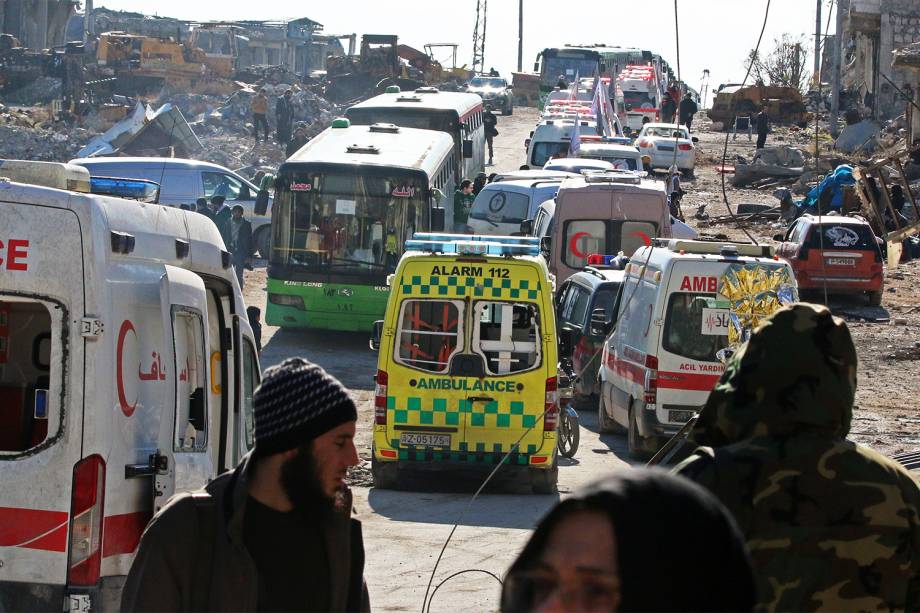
{"points": [[427, 108], [680, 299], [639, 91], [184, 181], [467, 363], [344, 206], [838, 253], [587, 60], [127, 367], [668, 145], [496, 93]]}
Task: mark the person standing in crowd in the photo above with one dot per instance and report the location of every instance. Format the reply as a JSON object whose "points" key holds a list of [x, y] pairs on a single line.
{"points": [[668, 108], [479, 182], [297, 141], [687, 108], [275, 534], [284, 117], [489, 120], [240, 242], [259, 108], [463, 201], [831, 525], [220, 215], [762, 123], [201, 206], [593, 551]]}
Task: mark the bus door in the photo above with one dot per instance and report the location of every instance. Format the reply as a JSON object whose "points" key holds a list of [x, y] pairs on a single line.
{"points": [[184, 462]]}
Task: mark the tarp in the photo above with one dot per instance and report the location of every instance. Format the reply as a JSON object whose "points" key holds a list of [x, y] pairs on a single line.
{"points": [[833, 184]]}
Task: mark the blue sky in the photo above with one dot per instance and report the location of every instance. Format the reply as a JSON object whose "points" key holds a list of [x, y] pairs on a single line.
{"points": [[714, 34]]}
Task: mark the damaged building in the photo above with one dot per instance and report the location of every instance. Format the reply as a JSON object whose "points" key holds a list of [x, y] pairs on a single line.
{"points": [[908, 59], [873, 30], [37, 24]]}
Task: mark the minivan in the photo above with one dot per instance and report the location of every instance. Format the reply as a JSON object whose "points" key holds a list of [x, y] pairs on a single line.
{"points": [[500, 208], [184, 181]]}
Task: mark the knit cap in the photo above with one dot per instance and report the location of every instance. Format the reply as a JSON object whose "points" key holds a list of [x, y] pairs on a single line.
{"points": [[296, 402]]}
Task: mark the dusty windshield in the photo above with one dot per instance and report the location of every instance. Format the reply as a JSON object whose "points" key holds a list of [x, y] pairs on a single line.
{"points": [[346, 223], [568, 68]]}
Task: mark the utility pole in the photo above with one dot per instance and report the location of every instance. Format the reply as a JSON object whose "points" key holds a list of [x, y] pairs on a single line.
{"points": [[520, 65], [842, 7], [87, 21], [816, 77], [479, 38]]}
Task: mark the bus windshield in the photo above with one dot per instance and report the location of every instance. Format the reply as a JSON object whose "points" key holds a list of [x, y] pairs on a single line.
{"points": [[567, 68], [440, 121], [346, 223]]}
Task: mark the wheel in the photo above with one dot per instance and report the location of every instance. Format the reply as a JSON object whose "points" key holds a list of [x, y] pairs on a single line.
{"points": [[263, 241], [385, 474], [568, 435], [637, 444], [604, 422], [544, 481], [689, 173], [875, 298]]}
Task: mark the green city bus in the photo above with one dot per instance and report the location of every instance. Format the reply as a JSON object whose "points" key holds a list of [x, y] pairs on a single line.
{"points": [[344, 206]]}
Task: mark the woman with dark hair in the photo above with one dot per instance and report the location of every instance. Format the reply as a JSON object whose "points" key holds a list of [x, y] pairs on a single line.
{"points": [[641, 540]]}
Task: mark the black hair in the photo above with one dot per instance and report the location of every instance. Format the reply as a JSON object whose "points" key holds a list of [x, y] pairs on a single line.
{"points": [[465, 183]]}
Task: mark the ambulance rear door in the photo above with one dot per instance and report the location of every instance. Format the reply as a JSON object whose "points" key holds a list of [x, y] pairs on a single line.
{"points": [[41, 395], [184, 461], [692, 330]]}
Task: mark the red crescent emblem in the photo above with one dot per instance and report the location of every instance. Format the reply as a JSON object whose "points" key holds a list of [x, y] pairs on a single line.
{"points": [[127, 409], [573, 244], [645, 238]]}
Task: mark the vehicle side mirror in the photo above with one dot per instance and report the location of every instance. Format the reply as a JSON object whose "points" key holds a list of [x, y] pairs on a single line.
{"points": [[779, 238], [196, 408], [565, 344], [467, 149], [437, 219], [695, 139], [546, 246], [376, 335], [536, 66], [600, 326], [527, 227]]}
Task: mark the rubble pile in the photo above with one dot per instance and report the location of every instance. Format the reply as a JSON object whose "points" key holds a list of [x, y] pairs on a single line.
{"points": [[42, 90], [40, 143]]}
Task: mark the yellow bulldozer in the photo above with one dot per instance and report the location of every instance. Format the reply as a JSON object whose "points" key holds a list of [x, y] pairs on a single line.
{"points": [[784, 104], [142, 64]]}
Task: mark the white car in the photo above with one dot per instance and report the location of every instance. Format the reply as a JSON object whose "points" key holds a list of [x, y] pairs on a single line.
{"points": [[578, 165], [659, 141]]}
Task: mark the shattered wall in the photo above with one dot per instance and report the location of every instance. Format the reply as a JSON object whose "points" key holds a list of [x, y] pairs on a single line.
{"points": [[38, 24]]}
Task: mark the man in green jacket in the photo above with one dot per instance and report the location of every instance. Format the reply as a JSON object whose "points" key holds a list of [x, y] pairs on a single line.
{"points": [[276, 534], [463, 201], [831, 525]]}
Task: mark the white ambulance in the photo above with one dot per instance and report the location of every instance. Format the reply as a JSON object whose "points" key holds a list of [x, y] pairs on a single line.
{"points": [[127, 366], [680, 301]]}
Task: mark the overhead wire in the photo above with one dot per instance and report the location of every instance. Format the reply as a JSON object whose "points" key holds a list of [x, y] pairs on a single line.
{"points": [[747, 75]]}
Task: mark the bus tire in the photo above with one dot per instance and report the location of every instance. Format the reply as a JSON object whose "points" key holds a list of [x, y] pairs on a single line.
{"points": [[545, 481], [263, 241], [385, 474]]}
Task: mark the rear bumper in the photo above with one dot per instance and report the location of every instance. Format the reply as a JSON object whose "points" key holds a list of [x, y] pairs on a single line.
{"points": [[649, 425], [16, 596], [866, 282], [664, 159], [419, 460]]}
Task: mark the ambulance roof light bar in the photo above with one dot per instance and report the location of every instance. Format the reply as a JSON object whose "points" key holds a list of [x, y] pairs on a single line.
{"points": [[723, 248], [461, 244]]}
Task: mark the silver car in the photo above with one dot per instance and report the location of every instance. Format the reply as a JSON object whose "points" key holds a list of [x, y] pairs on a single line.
{"points": [[495, 92]]}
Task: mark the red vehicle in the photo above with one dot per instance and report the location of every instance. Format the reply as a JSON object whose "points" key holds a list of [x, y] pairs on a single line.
{"points": [[840, 253]]}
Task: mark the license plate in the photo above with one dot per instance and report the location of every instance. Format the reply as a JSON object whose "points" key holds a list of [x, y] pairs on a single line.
{"points": [[418, 439], [665, 148], [841, 261], [680, 416]]}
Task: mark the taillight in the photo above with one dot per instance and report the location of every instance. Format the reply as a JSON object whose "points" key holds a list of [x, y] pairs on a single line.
{"points": [[551, 405], [685, 147], [645, 144], [86, 512], [380, 398], [651, 380]]}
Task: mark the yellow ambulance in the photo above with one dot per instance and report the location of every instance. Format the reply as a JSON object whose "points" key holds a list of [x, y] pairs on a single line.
{"points": [[467, 362]]}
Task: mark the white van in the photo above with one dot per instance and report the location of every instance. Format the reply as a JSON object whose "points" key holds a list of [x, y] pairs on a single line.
{"points": [[663, 357], [185, 181], [127, 367], [552, 137], [499, 208]]}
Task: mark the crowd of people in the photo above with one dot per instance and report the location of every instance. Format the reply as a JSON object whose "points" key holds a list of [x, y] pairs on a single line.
{"points": [[774, 510], [234, 229]]}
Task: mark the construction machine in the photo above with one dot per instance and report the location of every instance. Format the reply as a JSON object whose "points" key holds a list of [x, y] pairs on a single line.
{"points": [[784, 105], [376, 67]]}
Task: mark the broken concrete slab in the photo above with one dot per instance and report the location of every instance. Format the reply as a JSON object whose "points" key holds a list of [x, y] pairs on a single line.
{"points": [[770, 163], [862, 136]]}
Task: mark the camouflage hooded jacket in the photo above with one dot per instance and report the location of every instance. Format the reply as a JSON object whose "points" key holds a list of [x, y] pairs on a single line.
{"points": [[830, 525]]}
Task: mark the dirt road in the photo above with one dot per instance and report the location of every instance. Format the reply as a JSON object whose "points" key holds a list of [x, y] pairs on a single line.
{"points": [[404, 531]]}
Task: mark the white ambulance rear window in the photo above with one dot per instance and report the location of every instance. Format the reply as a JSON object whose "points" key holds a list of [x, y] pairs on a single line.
{"points": [[686, 330], [26, 369]]}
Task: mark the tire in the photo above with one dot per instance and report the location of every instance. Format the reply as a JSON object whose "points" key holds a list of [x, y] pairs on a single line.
{"points": [[690, 174], [263, 241], [604, 422], [875, 298], [385, 474], [568, 436], [638, 446], [545, 481]]}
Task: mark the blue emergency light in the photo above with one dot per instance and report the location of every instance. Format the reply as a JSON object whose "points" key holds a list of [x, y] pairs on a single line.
{"points": [[41, 404], [462, 244]]}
